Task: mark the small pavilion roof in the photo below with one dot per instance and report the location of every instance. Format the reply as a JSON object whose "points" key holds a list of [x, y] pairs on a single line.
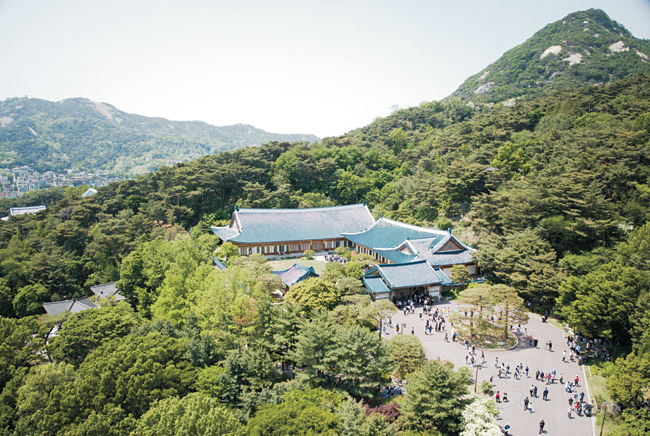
{"points": [[287, 225], [72, 306], [387, 233], [107, 290], [296, 273], [375, 284]]}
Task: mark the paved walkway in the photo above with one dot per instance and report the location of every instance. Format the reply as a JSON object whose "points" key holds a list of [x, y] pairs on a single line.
{"points": [[553, 411]]}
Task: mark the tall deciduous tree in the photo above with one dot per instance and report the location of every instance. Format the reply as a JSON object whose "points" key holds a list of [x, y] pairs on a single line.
{"points": [[407, 353], [436, 397], [314, 294], [195, 414]]}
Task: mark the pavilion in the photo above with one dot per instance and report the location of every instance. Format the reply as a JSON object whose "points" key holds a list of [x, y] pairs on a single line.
{"points": [[295, 274], [397, 281]]}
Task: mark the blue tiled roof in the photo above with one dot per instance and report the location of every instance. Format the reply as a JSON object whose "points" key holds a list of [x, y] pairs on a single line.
{"points": [[285, 225], [219, 264], [375, 285], [296, 273], [390, 234], [406, 275], [225, 233], [395, 255]]}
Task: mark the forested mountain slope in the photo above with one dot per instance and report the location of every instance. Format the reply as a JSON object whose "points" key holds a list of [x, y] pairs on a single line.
{"points": [[582, 48], [86, 135], [572, 167], [555, 187]]}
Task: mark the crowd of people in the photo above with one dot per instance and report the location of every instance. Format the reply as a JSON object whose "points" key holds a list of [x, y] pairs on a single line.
{"points": [[335, 258]]}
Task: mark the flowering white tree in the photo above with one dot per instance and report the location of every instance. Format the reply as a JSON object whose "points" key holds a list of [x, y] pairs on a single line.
{"points": [[480, 418]]}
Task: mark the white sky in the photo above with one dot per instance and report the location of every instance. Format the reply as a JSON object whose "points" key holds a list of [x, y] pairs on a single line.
{"points": [[284, 66]]}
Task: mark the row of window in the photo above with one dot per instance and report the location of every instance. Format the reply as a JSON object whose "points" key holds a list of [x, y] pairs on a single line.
{"points": [[292, 248]]}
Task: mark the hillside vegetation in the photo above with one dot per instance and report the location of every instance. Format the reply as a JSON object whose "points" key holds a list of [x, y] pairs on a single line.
{"points": [[85, 135]]}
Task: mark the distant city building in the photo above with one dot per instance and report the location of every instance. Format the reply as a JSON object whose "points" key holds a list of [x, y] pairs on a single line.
{"points": [[89, 192], [15, 211]]}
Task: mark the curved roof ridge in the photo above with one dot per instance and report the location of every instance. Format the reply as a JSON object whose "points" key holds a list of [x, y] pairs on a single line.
{"points": [[414, 227], [299, 209]]}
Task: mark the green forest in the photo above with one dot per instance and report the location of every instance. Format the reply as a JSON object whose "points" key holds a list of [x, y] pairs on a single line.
{"points": [[553, 191]]}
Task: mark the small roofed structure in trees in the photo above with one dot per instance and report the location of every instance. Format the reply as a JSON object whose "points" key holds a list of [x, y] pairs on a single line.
{"points": [[107, 290], [295, 274], [73, 306]]}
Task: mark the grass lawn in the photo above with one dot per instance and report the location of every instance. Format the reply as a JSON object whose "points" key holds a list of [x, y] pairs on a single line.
{"points": [[598, 389], [282, 264]]}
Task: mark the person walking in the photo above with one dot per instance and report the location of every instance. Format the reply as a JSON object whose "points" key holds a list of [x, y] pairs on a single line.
{"points": [[498, 397], [564, 356], [527, 402], [541, 426], [545, 394]]}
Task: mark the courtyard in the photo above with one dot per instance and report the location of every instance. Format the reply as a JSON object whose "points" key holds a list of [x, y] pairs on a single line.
{"points": [[522, 422]]}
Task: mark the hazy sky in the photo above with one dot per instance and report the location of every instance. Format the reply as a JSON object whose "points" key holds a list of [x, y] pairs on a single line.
{"points": [[300, 66]]}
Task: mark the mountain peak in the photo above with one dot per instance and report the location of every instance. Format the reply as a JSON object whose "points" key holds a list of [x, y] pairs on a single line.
{"points": [[585, 47]]}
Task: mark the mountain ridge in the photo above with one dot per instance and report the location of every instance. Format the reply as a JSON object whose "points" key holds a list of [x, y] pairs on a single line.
{"points": [[83, 134]]}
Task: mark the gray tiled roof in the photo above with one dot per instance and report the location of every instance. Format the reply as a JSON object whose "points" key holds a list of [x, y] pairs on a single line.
{"points": [[106, 290], [72, 306], [295, 274], [285, 225], [427, 249]]}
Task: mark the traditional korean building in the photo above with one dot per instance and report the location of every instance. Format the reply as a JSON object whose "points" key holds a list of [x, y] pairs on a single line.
{"points": [[391, 241], [275, 232], [397, 281], [107, 290], [412, 259], [295, 274], [72, 306]]}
